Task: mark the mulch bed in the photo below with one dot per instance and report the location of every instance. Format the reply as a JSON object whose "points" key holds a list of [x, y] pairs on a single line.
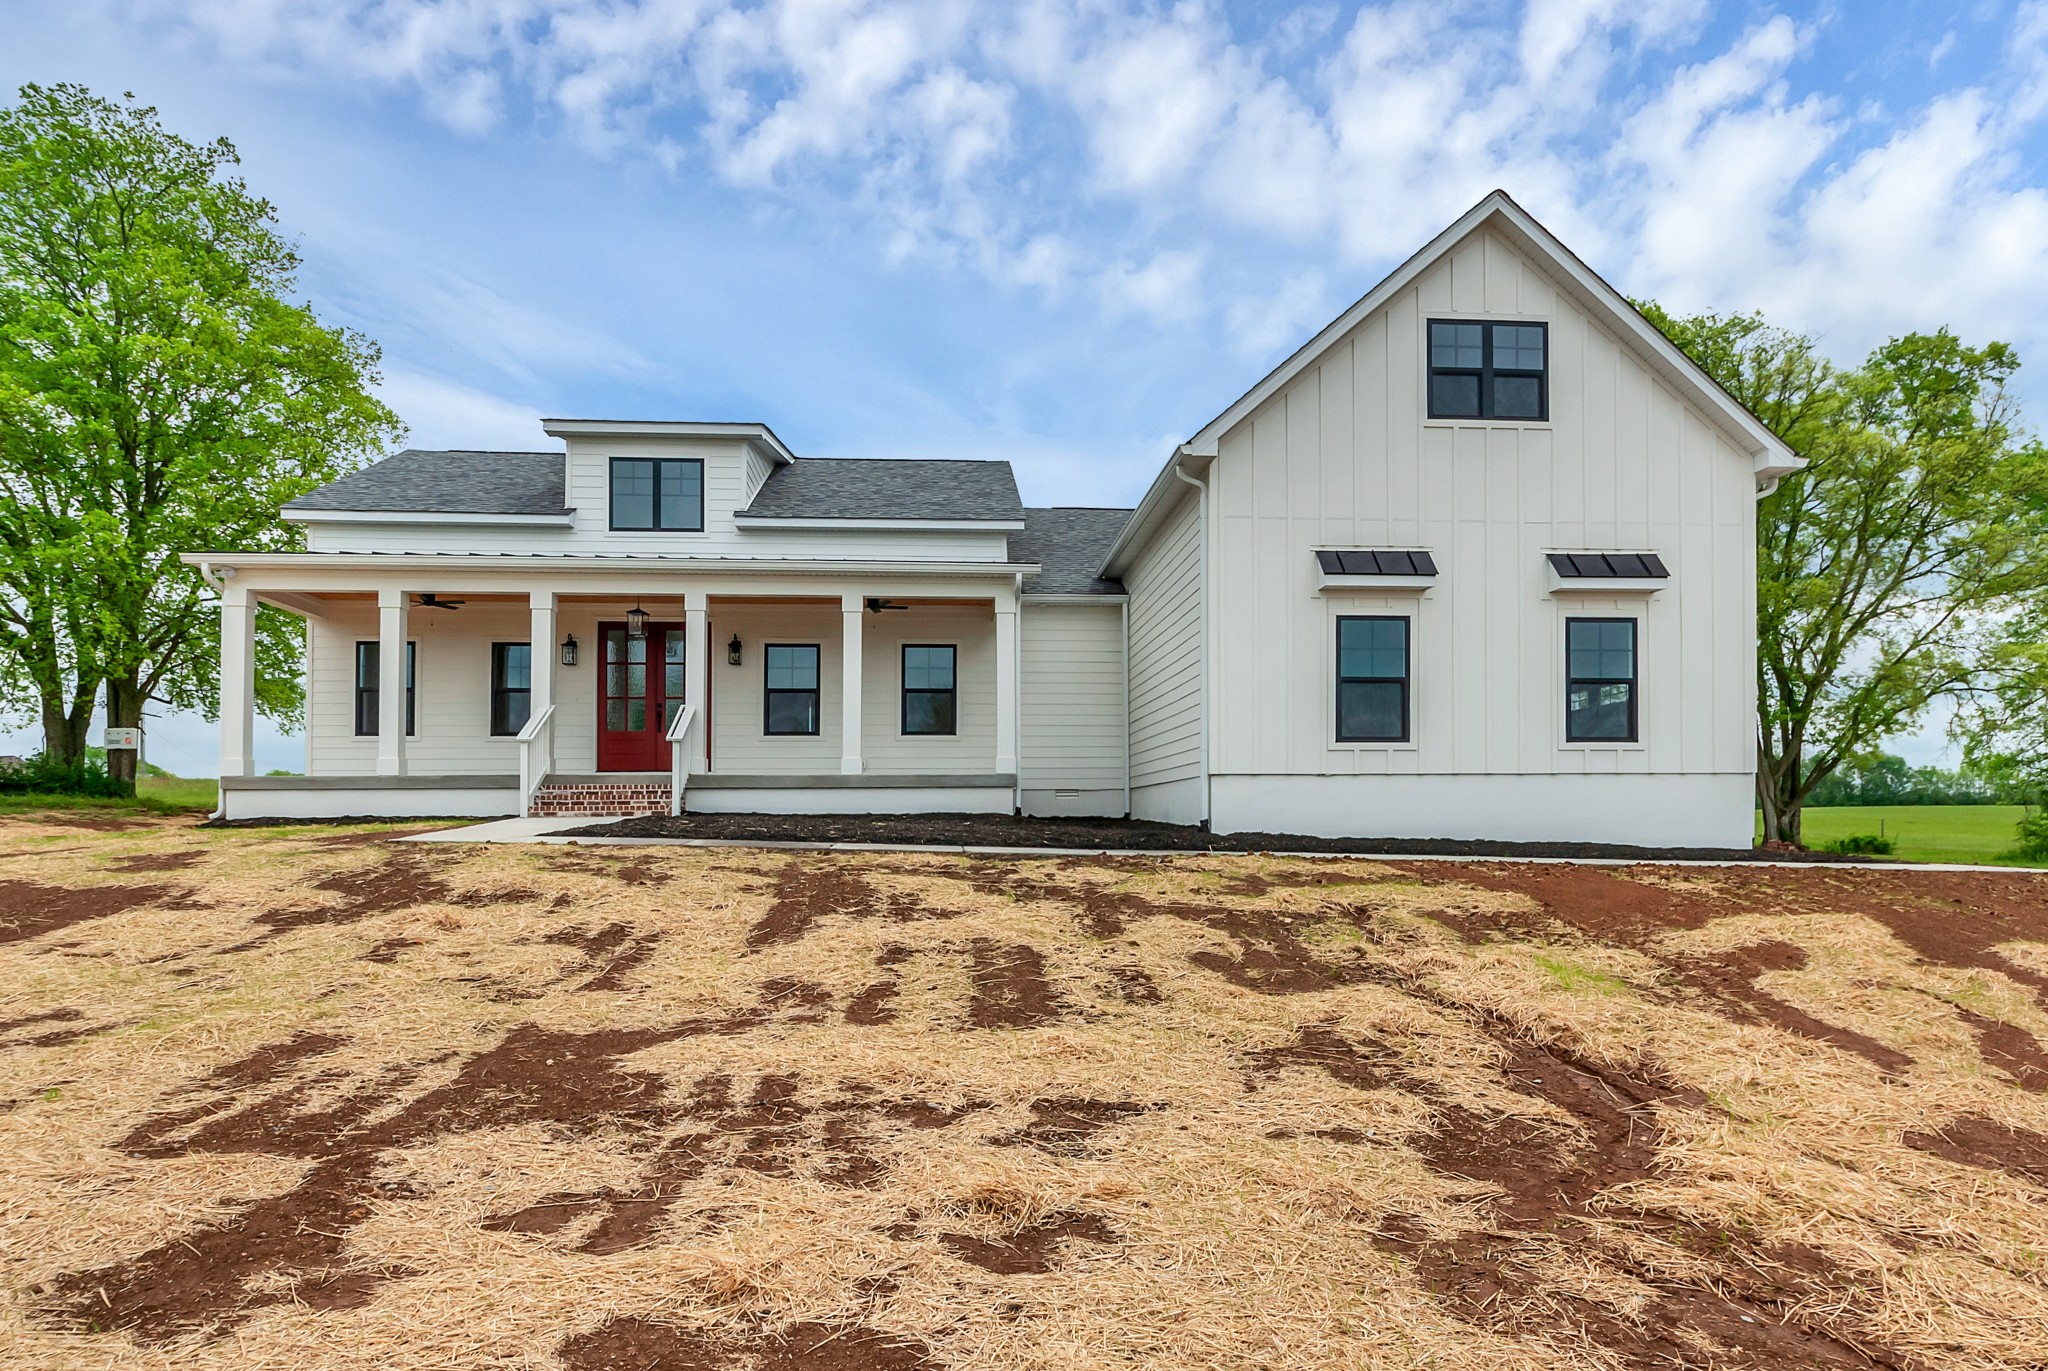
{"points": [[1004, 830]]}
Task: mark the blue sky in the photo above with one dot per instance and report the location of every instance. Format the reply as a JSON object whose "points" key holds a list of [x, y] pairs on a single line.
{"points": [[1060, 232]]}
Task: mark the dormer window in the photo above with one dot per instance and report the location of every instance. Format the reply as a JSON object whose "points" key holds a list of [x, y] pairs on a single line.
{"points": [[1488, 371], [659, 494]]}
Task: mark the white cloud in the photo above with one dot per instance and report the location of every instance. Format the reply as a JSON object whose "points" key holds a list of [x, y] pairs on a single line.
{"points": [[440, 413], [1133, 144]]}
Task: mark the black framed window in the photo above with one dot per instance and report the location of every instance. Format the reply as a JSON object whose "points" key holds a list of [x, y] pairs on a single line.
{"points": [[663, 494], [511, 687], [367, 691], [930, 701], [791, 706], [1600, 680], [1488, 371], [1372, 679]]}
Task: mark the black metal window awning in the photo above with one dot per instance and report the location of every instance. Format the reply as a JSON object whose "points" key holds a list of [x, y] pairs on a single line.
{"points": [[1588, 566], [1376, 563]]}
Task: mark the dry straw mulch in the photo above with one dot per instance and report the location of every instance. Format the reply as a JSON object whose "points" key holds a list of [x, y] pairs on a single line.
{"points": [[306, 1098]]}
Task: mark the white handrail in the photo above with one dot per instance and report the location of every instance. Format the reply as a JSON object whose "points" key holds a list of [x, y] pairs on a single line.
{"points": [[539, 729], [679, 758]]}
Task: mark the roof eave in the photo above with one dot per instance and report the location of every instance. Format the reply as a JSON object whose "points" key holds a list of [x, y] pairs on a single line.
{"points": [[894, 525], [565, 519], [757, 433], [1160, 496]]}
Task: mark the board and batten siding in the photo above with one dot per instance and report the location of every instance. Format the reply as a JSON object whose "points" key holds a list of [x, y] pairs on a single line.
{"points": [[1345, 457], [1165, 586], [1071, 697]]}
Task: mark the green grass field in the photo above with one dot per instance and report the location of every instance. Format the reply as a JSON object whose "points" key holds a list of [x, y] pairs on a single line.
{"points": [[158, 794], [1924, 833]]}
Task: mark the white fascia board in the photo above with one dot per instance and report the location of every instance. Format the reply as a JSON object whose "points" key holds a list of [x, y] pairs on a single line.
{"points": [[1770, 455], [759, 434], [1393, 585], [229, 562], [1606, 585], [1159, 497], [566, 519], [1079, 598], [759, 521]]}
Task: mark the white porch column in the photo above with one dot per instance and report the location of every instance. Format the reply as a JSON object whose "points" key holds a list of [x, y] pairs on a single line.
{"points": [[697, 673], [1006, 686], [851, 660], [237, 681], [541, 665], [391, 616]]}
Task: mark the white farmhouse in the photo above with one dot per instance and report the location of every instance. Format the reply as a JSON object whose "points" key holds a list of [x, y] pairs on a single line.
{"points": [[1478, 561]]}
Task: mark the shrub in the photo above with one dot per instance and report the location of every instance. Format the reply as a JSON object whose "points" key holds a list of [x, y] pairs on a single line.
{"points": [[2032, 832], [1862, 845], [43, 775]]}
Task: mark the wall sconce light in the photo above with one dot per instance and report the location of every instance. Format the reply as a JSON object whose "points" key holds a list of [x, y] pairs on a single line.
{"points": [[732, 651], [636, 622], [569, 650]]}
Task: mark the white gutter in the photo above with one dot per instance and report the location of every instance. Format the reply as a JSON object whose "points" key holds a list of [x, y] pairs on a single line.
{"points": [[1202, 590], [566, 519], [611, 562], [770, 521]]}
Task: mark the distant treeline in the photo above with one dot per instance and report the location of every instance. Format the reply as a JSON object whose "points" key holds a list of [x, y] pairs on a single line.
{"points": [[1887, 780]]}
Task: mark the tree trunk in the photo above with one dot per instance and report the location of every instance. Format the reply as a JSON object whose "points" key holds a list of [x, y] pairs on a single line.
{"points": [[66, 723], [1777, 792], [124, 710]]}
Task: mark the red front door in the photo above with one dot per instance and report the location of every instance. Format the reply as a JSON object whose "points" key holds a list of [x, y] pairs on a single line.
{"points": [[639, 690]]}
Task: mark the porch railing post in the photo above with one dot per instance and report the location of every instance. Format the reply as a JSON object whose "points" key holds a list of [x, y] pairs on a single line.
{"points": [[391, 693], [851, 661], [541, 660]]}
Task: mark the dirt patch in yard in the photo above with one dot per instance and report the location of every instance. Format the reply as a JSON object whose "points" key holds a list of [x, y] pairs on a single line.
{"points": [[1117, 835], [641, 1345], [1217, 1110], [29, 909]]}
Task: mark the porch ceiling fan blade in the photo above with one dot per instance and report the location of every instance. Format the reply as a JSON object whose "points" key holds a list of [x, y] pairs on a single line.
{"points": [[429, 600]]}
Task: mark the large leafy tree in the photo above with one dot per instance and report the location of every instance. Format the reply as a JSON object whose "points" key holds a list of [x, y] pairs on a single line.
{"points": [[160, 392], [1881, 567]]}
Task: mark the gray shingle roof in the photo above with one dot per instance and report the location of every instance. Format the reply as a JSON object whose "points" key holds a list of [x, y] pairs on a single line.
{"points": [[416, 480], [1068, 545], [888, 488]]}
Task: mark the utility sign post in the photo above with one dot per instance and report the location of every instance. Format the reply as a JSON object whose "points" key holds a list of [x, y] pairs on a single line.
{"points": [[124, 739]]}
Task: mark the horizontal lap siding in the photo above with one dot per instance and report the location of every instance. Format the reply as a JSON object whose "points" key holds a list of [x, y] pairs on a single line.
{"points": [[452, 691], [1165, 586], [1344, 457], [739, 742], [1072, 697], [886, 749]]}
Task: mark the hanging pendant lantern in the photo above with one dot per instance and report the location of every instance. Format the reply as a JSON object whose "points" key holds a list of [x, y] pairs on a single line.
{"points": [[636, 622]]}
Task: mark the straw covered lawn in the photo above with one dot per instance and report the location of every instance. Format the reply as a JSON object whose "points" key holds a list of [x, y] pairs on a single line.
{"points": [[307, 1098]]}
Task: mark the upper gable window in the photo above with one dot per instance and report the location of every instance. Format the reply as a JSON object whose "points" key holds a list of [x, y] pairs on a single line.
{"points": [[658, 493], [1488, 371]]}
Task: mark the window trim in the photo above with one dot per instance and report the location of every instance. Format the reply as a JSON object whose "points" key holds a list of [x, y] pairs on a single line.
{"points": [[905, 692], [654, 512], [1485, 373], [499, 688], [412, 662], [816, 692], [1406, 679], [1634, 680]]}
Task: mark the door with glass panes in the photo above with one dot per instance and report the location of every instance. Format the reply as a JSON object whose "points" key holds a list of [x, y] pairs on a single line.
{"points": [[639, 691]]}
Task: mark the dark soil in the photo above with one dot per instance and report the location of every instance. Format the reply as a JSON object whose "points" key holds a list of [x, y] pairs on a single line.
{"points": [[1030, 1251], [1975, 1140], [1010, 988], [2011, 1049], [1548, 1180], [641, 1345], [610, 953], [1065, 1126], [155, 861], [29, 909], [999, 830]]}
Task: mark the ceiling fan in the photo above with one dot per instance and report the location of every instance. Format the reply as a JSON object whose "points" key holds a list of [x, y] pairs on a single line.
{"points": [[429, 600]]}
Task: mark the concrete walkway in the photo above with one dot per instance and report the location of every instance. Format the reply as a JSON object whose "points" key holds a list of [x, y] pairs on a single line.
{"points": [[554, 831]]}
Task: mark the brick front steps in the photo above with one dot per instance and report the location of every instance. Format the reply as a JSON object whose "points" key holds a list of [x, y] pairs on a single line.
{"points": [[599, 799]]}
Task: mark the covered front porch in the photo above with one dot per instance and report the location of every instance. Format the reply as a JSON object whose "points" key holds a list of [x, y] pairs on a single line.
{"points": [[451, 690]]}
